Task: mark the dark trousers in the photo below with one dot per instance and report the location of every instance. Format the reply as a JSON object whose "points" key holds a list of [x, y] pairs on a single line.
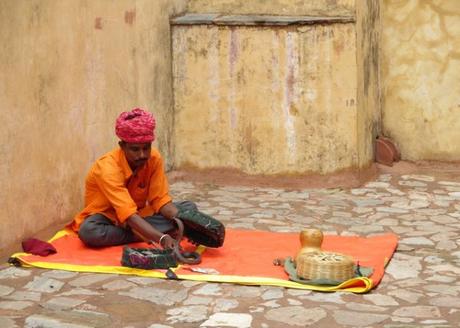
{"points": [[98, 231]]}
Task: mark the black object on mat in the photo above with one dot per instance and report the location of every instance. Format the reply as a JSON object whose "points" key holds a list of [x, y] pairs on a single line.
{"points": [[202, 229]]}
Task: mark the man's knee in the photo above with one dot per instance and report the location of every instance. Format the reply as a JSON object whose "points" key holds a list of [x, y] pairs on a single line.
{"points": [[92, 231], [186, 205]]}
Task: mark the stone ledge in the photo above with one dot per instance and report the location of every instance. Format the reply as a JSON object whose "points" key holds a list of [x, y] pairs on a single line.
{"points": [[251, 20]]}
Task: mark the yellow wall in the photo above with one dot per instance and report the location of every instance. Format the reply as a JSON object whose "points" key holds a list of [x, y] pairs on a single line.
{"points": [[266, 100], [274, 7], [420, 69], [421, 77], [273, 99], [369, 98], [67, 68]]}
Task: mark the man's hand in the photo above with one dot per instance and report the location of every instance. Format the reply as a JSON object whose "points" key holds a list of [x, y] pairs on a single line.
{"points": [[166, 241], [148, 233]]}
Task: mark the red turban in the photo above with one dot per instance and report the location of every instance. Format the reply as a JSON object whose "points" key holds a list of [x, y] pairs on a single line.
{"points": [[135, 126]]}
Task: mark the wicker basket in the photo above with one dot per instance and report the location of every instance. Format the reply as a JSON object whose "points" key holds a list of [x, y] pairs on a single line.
{"points": [[325, 265]]}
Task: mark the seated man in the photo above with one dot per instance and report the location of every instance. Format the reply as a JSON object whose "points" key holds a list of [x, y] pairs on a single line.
{"points": [[126, 191]]}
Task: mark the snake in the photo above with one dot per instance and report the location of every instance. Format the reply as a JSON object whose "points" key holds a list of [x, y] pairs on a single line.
{"points": [[184, 257]]}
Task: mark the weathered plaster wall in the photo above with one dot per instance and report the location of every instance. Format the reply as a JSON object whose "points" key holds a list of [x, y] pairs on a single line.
{"points": [[421, 77], [368, 24], [274, 7], [266, 100], [67, 68]]}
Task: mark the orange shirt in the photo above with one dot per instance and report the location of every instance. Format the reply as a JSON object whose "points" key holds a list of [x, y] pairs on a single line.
{"points": [[113, 190]]}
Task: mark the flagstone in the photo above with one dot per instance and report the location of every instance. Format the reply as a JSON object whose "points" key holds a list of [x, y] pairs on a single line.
{"points": [[198, 300], [15, 305], [13, 272], [187, 314], [441, 278], [225, 304], [7, 322], [118, 284], [80, 291], [209, 289], [20, 295], [445, 301], [5, 290], [406, 295], [272, 293], [38, 320], [358, 319], [393, 210], [237, 320], [419, 311], [404, 266], [44, 285], [296, 315], [90, 279], [412, 183], [364, 307], [416, 241], [443, 289], [381, 300], [59, 274], [62, 303], [156, 295], [419, 177]]}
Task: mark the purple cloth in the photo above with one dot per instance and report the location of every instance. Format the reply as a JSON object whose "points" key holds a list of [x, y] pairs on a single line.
{"points": [[38, 247]]}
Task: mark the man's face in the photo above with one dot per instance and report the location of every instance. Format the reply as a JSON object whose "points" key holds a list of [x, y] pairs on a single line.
{"points": [[137, 154]]}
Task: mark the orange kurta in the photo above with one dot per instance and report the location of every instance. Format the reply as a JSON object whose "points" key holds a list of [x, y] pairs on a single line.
{"points": [[113, 190]]}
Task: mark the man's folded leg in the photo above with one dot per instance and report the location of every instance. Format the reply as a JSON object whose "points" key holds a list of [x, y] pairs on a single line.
{"points": [[165, 225], [99, 231]]}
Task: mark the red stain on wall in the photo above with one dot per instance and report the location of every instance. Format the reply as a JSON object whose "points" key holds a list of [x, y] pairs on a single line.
{"points": [[98, 23], [130, 16]]}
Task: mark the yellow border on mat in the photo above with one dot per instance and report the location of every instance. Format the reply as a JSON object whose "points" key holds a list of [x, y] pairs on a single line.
{"points": [[242, 280]]}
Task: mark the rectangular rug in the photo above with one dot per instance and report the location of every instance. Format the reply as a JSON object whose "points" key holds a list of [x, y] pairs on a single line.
{"points": [[245, 258]]}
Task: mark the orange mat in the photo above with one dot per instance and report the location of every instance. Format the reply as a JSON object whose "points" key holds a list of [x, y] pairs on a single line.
{"points": [[246, 258]]}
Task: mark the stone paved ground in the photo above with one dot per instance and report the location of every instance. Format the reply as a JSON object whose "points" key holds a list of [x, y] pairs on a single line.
{"points": [[421, 287]]}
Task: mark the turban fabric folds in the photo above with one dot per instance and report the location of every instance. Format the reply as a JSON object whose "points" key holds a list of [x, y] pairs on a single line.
{"points": [[136, 126]]}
